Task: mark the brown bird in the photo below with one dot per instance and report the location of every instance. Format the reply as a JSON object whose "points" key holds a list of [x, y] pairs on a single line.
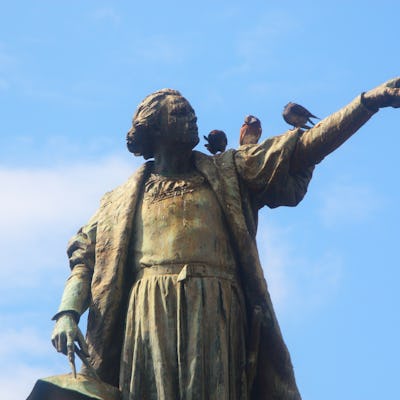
{"points": [[250, 131], [298, 116], [217, 141]]}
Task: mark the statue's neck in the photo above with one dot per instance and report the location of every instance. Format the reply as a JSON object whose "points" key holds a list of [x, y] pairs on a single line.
{"points": [[173, 163]]}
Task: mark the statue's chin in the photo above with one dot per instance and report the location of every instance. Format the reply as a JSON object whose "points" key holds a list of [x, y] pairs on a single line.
{"points": [[195, 142]]}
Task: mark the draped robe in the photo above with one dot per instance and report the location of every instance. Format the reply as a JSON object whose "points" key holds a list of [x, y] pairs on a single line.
{"points": [[243, 181]]}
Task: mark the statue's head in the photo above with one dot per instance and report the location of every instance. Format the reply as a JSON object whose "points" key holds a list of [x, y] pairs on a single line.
{"points": [[164, 117]]}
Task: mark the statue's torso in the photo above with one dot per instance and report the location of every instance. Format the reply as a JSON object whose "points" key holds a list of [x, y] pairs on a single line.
{"points": [[180, 221], [186, 324]]}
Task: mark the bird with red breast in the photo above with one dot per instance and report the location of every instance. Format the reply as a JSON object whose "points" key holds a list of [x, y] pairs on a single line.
{"points": [[216, 141], [250, 131], [297, 115]]}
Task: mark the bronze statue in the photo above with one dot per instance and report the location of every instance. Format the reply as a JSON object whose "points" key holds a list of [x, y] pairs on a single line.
{"points": [[168, 266]]}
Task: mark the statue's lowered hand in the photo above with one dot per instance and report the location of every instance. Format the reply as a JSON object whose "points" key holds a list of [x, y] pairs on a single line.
{"points": [[65, 333], [385, 95]]}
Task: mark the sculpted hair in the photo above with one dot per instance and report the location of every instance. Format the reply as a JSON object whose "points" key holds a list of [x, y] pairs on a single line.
{"points": [[146, 122]]}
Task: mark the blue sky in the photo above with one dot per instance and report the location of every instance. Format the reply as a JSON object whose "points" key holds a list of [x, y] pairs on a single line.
{"points": [[71, 76]]}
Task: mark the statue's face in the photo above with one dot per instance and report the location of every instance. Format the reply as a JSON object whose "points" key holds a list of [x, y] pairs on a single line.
{"points": [[179, 124]]}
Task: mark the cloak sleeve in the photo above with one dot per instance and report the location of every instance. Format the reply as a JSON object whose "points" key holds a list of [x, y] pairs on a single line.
{"points": [[265, 169], [81, 252], [316, 143], [277, 172]]}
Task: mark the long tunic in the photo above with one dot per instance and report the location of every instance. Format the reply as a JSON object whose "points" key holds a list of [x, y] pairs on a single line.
{"points": [[186, 325]]}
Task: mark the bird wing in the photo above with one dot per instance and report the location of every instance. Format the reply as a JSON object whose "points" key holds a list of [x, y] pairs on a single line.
{"points": [[243, 131], [300, 110]]}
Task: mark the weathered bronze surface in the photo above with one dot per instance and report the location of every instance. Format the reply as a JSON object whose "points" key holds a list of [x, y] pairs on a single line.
{"points": [[68, 387], [168, 265]]}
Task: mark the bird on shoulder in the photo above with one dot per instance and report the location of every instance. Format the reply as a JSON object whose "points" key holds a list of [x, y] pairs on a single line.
{"points": [[297, 116], [250, 131], [217, 141]]}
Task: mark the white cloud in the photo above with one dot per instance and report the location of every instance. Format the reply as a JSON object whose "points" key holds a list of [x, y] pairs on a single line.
{"points": [[346, 202], [22, 354], [35, 198], [17, 380], [41, 208], [15, 343]]}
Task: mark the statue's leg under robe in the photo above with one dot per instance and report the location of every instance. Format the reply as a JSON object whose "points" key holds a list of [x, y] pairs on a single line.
{"points": [[184, 340]]}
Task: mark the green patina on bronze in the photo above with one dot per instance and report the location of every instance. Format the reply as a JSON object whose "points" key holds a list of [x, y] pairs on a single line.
{"points": [[68, 387], [169, 268]]}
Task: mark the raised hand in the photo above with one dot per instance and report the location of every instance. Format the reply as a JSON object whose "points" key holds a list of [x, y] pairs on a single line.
{"points": [[384, 95]]}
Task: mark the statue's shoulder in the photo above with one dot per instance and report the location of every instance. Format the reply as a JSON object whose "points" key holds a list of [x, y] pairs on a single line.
{"points": [[220, 160], [130, 186]]}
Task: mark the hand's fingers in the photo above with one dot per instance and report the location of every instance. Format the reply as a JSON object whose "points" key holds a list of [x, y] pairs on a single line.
{"points": [[70, 342], [53, 341], [60, 342], [82, 343]]}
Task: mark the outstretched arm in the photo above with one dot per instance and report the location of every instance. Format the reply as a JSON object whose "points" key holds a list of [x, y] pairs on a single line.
{"points": [[330, 133]]}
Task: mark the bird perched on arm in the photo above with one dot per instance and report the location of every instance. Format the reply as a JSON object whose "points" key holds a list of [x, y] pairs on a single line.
{"points": [[298, 116], [250, 131], [217, 141]]}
